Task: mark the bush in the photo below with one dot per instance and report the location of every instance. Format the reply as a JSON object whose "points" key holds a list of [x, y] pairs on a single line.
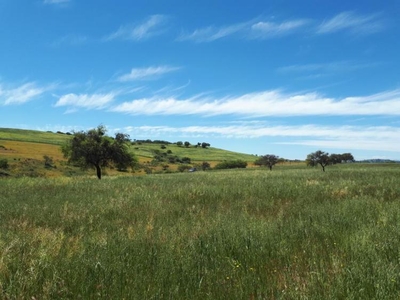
{"points": [[4, 163], [183, 168], [231, 164]]}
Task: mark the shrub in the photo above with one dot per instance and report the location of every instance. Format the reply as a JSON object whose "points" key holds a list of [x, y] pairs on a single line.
{"points": [[4, 163], [183, 168], [231, 164]]}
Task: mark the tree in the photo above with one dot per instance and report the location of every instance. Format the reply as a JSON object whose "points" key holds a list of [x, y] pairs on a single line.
{"points": [[187, 144], [179, 144], [94, 149], [318, 158], [4, 163], [268, 160], [205, 145]]}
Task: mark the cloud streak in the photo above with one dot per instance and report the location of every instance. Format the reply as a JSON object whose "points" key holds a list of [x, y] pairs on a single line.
{"points": [[94, 101], [351, 22], [150, 27], [21, 94], [146, 73], [256, 29], [250, 30], [267, 103]]}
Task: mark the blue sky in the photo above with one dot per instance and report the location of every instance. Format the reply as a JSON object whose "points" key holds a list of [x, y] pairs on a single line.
{"points": [[281, 77]]}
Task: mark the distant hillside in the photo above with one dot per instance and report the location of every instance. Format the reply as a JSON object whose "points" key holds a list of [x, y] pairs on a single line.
{"points": [[33, 136], [28, 153], [142, 149]]}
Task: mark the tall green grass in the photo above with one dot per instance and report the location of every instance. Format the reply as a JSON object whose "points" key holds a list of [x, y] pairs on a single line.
{"points": [[253, 234]]}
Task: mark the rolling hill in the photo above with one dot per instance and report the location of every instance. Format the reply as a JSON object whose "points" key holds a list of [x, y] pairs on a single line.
{"points": [[25, 151]]}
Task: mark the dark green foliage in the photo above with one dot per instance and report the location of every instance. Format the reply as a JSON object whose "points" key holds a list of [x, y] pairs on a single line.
{"points": [[231, 164], [187, 144], [48, 161], [318, 158], [179, 144], [94, 149], [268, 160], [205, 166], [205, 145], [4, 163]]}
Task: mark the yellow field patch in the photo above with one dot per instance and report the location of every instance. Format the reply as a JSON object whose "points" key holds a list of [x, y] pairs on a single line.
{"points": [[16, 149]]}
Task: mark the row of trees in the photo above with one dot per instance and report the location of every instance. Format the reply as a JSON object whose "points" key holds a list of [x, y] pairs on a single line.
{"points": [[187, 144], [313, 159], [323, 159]]}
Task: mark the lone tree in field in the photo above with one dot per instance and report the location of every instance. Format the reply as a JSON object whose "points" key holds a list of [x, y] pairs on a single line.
{"points": [[93, 148], [268, 160], [318, 158]]}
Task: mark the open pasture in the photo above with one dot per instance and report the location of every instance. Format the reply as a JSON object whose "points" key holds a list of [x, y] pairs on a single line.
{"points": [[293, 233]]}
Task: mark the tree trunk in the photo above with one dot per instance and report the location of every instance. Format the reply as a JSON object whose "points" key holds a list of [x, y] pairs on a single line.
{"points": [[270, 168], [323, 168], [98, 171]]}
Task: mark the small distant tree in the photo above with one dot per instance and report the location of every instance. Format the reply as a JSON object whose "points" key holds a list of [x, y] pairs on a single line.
{"points": [[94, 149], [205, 166], [347, 157], [318, 158], [179, 144], [187, 144], [4, 164], [268, 160], [205, 145], [48, 161]]}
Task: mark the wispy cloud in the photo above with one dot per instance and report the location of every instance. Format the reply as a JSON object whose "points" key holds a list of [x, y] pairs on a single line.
{"points": [[351, 22], [211, 33], [151, 27], [266, 103], [94, 101], [251, 29], [332, 67], [21, 94], [147, 73], [271, 29]]}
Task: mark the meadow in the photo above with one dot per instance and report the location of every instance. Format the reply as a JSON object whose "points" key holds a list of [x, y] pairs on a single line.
{"points": [[293, 233]]}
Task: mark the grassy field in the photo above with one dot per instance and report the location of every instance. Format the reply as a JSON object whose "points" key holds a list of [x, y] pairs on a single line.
{"points": [[293, 233]]}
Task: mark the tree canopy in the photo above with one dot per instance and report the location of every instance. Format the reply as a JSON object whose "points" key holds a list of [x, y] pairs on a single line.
{"points": [[268, 160], [318, 158], [93, 148]]}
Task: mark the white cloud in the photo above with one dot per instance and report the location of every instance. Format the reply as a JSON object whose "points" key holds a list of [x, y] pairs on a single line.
{"points": [[209, 34], [22, 94], [94, 101], [251, 29], [146, 73], [352, 22], [267, 103], [271, 29], [149, 28]]}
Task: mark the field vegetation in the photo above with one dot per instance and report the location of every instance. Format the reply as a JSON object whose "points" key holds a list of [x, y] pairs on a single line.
{"points": [[293, 233]]}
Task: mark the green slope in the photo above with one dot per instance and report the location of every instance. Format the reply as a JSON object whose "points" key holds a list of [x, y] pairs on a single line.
{"points": [[33, 136], [145, 150]]}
